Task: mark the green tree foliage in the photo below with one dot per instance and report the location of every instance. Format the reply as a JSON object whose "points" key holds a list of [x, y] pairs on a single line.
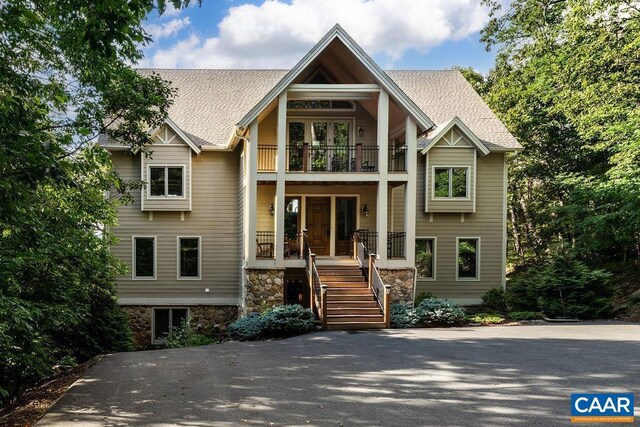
{"points": [[567, 84], [65, 77]]}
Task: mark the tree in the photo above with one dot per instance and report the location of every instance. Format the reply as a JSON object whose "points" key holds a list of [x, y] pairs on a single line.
{"points": [[566, 83], [65, 77]]}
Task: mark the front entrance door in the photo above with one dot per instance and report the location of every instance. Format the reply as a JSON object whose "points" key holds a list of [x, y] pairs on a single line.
{"points": [[319, 224]]}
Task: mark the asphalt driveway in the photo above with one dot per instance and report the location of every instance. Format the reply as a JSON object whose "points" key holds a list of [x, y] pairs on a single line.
{"points": [[489, 376]]}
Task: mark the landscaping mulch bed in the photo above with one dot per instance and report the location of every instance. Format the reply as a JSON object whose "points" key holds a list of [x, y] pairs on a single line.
{"points": [[35, 402]]}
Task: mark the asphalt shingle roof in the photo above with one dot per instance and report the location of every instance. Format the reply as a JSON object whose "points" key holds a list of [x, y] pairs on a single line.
{"points": [[209, 103]]}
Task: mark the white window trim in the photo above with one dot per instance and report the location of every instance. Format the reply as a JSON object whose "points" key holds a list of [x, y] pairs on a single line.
{"points": [[153, 320], [435, 258], [178, 272], [133, 257], [450, 167], [166, 182], [478, 259]]}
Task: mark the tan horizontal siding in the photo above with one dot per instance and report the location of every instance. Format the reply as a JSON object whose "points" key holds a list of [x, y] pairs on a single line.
{"points": [[214, 216], [487, 223]]}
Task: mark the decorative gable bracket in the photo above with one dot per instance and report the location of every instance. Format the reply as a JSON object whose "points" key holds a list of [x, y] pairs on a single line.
{"points": [[443, 133]]}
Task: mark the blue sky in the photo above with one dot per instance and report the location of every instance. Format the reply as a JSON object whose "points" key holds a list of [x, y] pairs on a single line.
{"points": [[400, 34]]}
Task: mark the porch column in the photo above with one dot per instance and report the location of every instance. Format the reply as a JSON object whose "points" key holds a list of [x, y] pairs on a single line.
{"points": [[410, 193], [280, 175], [383, 171], [252, 191]]}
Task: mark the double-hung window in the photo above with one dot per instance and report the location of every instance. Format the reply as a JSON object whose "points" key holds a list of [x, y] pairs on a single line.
{"points": [[468, 265], [144, 257], [166, 181], [450, 182], [426, 258], [189, 257]]}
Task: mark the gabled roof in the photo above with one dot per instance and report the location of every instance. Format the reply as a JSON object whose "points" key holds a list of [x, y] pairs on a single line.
{"points": [[209, 103], [337, 32], [436, 135]]}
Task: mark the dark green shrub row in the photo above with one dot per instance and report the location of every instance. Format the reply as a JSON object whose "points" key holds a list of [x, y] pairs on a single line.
{"points": [[429, 312], [282, 321], [563, 287]]}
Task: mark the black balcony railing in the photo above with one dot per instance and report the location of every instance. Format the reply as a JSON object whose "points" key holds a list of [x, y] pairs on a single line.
{"points": [[395, 244], [265, 244], [267, 155], [321, 158], [398, 159]]}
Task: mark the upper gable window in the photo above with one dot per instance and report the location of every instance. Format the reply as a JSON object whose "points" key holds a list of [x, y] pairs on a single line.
{"points": [[320, 105], [166, 181], [450, 182]]}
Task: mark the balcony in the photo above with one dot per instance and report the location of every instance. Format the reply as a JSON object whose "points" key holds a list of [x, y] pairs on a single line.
{"points": [[337, 159]]}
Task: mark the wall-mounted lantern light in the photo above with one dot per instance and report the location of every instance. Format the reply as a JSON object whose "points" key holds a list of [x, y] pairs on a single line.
{"points": [[365, 209], [360, 131], [271, 210]]}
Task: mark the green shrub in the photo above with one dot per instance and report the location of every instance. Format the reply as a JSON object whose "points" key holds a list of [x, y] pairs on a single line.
{"points": [[563, 287], [282, 321], [495, 299], [247, 328], [403, 316], [487, 318], [525, 315], [421, 297], [288, 320], [185, 336], [439, 312]]}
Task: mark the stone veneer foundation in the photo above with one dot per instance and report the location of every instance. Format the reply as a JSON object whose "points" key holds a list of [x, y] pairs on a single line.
{"points": [[263, 287], [210, 320], [401, 282]]}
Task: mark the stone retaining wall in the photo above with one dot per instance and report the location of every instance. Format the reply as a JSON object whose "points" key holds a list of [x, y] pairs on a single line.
{"points": [[210, 320], [401, 282], [263, 287]]}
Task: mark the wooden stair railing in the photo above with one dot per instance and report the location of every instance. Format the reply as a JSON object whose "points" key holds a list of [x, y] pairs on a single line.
{"points": [[317, 291], [381, 291]]}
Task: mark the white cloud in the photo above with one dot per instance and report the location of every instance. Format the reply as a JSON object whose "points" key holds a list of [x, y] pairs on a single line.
{"points": [[275, 34], [167, 29]]}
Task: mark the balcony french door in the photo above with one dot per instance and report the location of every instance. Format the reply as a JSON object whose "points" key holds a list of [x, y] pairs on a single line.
{"points": [[329, 145]]}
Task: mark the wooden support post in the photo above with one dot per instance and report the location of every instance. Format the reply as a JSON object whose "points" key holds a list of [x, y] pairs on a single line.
{"points": [[355, 245], [359, 157], [387, 306], [323, 307], [305, 157]]}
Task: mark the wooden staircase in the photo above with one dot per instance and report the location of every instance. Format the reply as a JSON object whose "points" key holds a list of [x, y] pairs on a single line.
{"points": [[351, 304]]}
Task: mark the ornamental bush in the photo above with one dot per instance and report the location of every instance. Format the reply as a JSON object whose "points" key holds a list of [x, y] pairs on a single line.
{"points": [[282, 321], [487, 318], [495, 299], [403, 316], [439, 312]]}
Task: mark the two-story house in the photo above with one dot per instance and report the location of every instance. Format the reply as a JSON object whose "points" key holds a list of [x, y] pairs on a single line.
{"points": [[332, 184]]}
